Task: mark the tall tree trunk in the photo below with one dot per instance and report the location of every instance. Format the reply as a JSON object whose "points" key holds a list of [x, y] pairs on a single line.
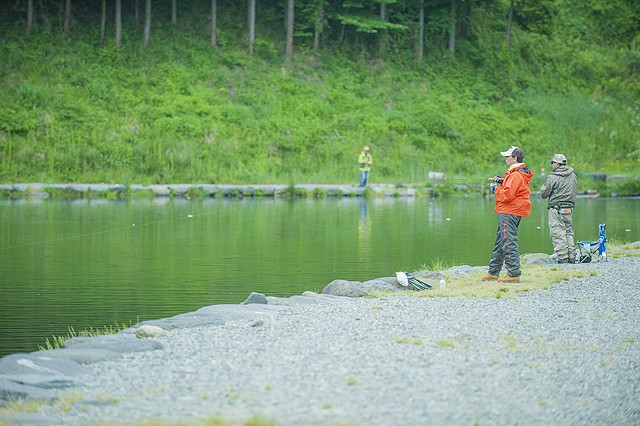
{"points": [[214, 23], [421, 33], [174, 12], [103, 19], [290, 20], [383, 33], [147, 22], [452, 33], [319, 23], [29, 16], [136, 12], [67, 16], [252, 24], [509, 21], [118, 22]]}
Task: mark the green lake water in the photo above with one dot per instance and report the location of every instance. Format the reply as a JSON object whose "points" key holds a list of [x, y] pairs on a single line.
{"points": [[87, 263]]}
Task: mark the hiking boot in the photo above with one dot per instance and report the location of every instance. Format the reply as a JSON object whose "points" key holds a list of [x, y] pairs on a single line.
{"points": [[509, 279], [490, 277]]}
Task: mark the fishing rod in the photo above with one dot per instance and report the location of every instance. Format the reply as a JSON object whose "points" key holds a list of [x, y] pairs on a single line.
{"points": [[454, 180]]}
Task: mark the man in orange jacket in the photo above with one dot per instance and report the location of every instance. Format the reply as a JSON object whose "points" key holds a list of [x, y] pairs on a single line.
{"points": [[512, 204]]}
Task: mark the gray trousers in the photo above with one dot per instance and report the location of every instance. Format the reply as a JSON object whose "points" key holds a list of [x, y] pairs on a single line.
{"points": [[505, 250], [561, 228]]}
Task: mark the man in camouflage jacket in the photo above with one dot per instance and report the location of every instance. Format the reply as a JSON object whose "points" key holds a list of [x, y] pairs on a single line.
{"points": [[560, 188]]}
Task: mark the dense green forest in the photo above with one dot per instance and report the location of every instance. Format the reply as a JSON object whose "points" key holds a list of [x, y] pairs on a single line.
{"points": [[287, 91]]}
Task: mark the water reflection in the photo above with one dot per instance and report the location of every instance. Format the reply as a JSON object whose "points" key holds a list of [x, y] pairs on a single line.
{"points": [[81, 263], [364, 229]]}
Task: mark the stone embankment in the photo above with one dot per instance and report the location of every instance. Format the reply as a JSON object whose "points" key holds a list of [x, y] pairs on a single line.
{"points": [[568, 355], [42, 190]]}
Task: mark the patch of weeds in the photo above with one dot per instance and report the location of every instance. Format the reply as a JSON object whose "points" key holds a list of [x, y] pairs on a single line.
{"points": [[604, 363], [534, 365], [66, 404], [233, 398], [535, 277], [438, 264], [510, 342], [108, 399], [57, 342], [216, 421], [106, 195], [592, 273], [409, 341], [195, 193], [445, 343], [351, 381], [629, 340], [291, 191], [260, 421], [62, 193], [387, 294], [319, 193], [376, 306], [327, 406], [205, 396], [579, 275], [542, 348], [22, 407], [268, 386], [142, 194]]}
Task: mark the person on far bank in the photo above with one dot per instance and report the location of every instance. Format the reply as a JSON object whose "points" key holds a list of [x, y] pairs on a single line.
{"points": [[512, 204], [364, 162], [560, 188]]}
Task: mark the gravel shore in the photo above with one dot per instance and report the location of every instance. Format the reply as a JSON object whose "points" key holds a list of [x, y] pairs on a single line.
{"points": [[567, 355]]}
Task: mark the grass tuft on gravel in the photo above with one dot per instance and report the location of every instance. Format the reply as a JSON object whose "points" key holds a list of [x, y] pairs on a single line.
{"points": [[533, 278]]}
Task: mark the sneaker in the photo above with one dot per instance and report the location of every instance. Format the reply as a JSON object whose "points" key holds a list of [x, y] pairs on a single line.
{"points": [[490, 277], [509, 279]]}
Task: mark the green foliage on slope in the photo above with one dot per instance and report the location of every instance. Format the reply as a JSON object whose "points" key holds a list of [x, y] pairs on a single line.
{"points": [[75, 109]]}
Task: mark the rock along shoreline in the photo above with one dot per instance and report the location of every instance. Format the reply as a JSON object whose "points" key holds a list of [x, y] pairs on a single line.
{"points": [[570, 354]]}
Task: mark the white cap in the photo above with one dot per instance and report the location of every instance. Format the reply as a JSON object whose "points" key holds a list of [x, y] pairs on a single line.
{"points": [[514, 151]]}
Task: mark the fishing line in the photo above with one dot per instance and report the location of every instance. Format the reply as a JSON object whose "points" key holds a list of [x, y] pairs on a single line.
{"points": [[135, 225]]}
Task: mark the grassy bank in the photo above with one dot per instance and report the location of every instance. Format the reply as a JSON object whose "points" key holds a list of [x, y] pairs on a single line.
{"points": [[75, 109]]}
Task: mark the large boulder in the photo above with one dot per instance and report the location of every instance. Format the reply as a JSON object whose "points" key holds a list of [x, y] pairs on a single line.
{"points": [[537, 259], [226, 312], [257, 298], [357, 288], [182, 321], [465, 270], [20, 363], [429, 275], [11, 391], [150, 331], [27, 376], [120, 342], [83, 356]]}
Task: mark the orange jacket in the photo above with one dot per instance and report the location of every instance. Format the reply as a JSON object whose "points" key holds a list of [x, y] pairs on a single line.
{"points": [[512, 197]]}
